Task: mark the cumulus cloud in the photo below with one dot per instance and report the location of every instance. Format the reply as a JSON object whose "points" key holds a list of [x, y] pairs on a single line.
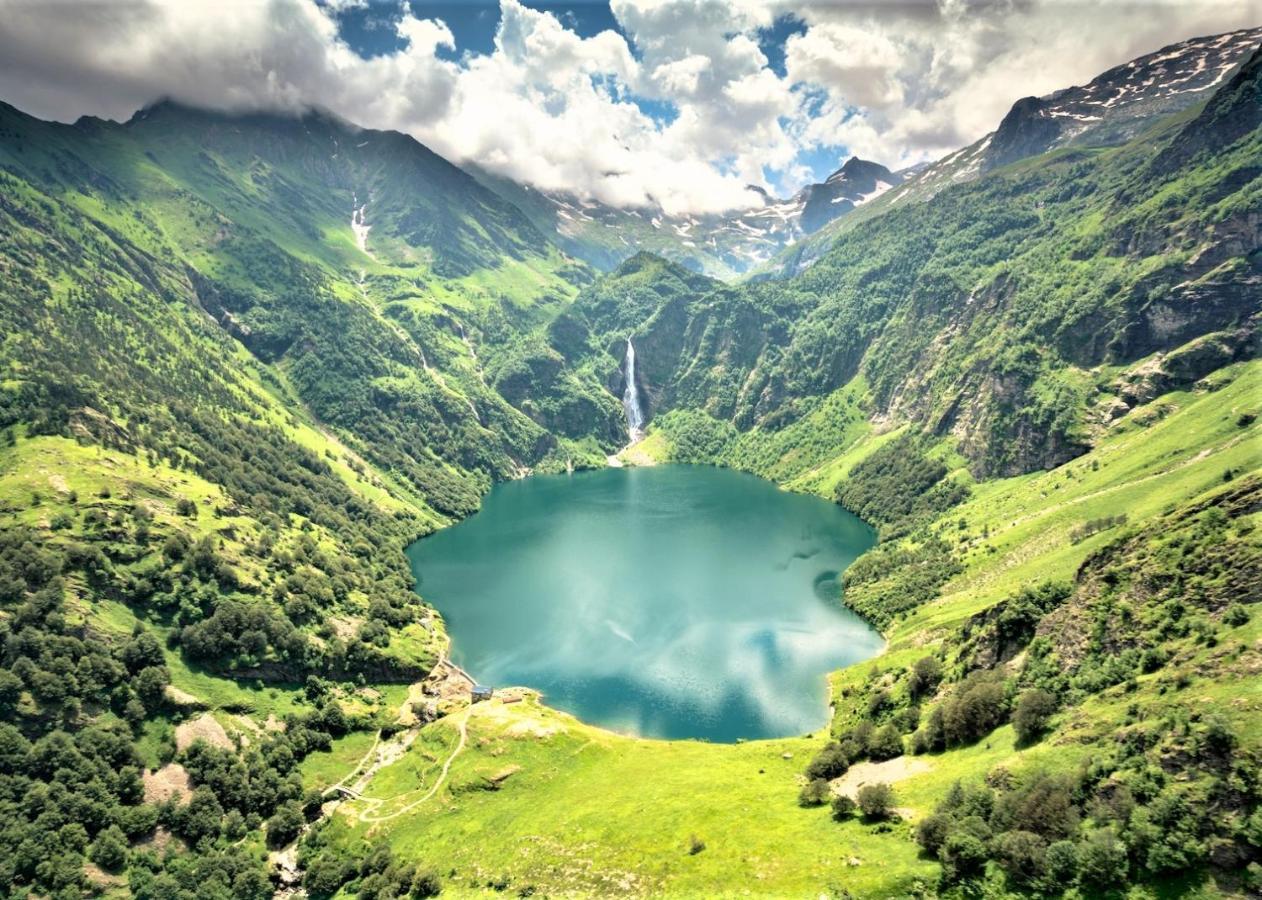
{"points": [[896, 82], [913, 81], [62, 59]]}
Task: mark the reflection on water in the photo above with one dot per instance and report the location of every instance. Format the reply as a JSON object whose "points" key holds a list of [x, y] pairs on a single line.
{"points": [[670, 602]]}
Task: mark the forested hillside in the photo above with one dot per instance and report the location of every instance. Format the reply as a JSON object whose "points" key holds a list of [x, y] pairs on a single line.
{"points": [[245, 360], [226, 408]]}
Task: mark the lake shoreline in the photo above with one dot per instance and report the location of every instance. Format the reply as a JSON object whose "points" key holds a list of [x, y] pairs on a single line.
{"points": [[620, 632]]}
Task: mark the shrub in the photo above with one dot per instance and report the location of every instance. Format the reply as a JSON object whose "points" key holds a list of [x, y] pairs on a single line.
{"points": [[925, 675], [879, 703], [426, 884], [201, 817], [931, 735], [978, 705], [1034, 710], [843, 807], [831, 762], [1062, 863], [963, 856], [932, 832], [110, 849], [284, 825], [1218, 739], [1102, 861], [876, 800], [886, 743], [325, 875], [1022, 855], [1235, 616], [813, 793], [1042, 803]]}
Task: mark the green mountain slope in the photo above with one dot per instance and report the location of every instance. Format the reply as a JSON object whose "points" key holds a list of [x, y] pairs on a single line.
{"points": [[996, 313], [256, 213], [246, 359], [224, 415]]}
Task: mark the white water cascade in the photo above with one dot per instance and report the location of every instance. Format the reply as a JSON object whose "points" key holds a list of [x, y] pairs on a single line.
{"points": [[631, 397], [359, 226]]}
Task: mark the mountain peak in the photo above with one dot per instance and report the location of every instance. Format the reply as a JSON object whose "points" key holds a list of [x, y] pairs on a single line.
{"points": [[860, 170], [855, 183], [642, 260], [1118, 104], [170, 108], [855, 165]]}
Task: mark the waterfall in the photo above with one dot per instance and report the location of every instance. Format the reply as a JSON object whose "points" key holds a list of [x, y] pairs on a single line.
{"points": [[359, 226], [631, 397]]}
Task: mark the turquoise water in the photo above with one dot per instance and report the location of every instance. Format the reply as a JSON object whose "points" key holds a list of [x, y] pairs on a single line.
{"points": [[672, 602]]}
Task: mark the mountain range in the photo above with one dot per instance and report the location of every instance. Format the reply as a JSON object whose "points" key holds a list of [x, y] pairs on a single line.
{"points": [[721, 246], [245, 359], [1109, 110]]}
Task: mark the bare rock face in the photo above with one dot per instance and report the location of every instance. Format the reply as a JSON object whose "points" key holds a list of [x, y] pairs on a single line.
{"points": [[1231, 114], [1116, 106], [1027, 130], [1187, 365], [851, 186]]}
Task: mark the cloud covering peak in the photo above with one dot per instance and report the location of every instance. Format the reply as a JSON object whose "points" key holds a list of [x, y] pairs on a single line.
{"points": [[682, 105]]}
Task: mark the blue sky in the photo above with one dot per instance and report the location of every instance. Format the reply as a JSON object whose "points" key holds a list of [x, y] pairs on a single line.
{"points": [[368, 28], [676, 103]]}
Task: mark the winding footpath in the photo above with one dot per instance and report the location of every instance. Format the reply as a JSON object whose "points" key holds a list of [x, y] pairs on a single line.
{"points": [[376, 803], [350, 787]]}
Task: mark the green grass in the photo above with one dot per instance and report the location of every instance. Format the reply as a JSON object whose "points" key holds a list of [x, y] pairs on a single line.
{"points": [[1137, 469], [583, 810], [327, 767]]}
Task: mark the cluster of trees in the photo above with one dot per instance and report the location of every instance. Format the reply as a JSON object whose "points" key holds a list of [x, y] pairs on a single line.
{"points": [[224, 623], [824, 427], [1080, 533], [897, 576], [375, 875], [74, 703], [980, 703], [696, 437], [1117, 819], [874, 801], [898, 487]]}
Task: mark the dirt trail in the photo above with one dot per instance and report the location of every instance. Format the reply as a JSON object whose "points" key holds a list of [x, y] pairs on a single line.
{"points": [[446, 681], [376, 803], [341, 785]]}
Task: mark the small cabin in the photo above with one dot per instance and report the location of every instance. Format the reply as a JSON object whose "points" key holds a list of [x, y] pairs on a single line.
{"points": [[481, 692]]}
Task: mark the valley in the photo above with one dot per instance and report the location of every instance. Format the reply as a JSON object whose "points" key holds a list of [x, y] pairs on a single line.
{"points": [[248, 360]]}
